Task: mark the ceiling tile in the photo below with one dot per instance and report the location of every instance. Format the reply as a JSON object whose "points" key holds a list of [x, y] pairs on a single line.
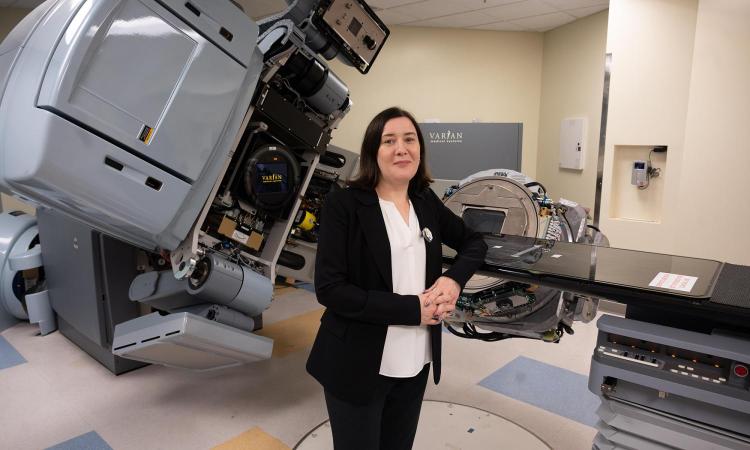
{"points": [[430, 9], [571, 4], [517, 15], [462, 20], [385, 4], [519, 10], [394, 18], [474, 5], [500, 26], [544, 22], [587, 11]]}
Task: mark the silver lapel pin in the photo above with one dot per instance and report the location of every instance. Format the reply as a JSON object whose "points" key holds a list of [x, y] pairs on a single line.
{"points": [[427, 234]]}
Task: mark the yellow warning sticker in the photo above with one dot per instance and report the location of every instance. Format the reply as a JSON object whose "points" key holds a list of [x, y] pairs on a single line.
{"points": [[146, 133]]}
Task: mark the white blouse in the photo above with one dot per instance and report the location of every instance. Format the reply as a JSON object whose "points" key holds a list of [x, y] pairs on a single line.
{"points": [[407, 348]]}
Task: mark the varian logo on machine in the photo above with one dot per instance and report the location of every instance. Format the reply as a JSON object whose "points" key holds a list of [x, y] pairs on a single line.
{"points": [[446, 137]]}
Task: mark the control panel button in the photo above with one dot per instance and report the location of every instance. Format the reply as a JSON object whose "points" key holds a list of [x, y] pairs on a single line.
{"points": [[370, 42], [740, 371]]}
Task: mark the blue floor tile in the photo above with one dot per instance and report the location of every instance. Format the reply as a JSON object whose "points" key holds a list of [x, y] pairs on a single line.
{"points": [[554, 389], [9, 357], [88, 441]]}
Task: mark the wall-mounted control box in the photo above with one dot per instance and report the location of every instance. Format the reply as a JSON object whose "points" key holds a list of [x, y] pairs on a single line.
{"points": [[573, 143], [639, 177]]}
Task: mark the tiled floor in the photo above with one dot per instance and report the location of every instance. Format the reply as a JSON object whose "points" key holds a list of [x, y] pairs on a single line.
{"points": [[450, 426], [56, 395], [9, 357], [549, 387]]}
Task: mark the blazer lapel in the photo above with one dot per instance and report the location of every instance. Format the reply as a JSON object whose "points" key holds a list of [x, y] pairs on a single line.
{"points": [[376, 236], [433, 250]]}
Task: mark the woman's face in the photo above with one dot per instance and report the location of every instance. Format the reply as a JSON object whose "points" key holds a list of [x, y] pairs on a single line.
{"points": [[398, 155]]}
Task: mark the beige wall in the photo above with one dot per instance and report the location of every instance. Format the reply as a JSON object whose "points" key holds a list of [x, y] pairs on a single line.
{"points": [[453, 75], [652, 47], [679, 78], [572, 83], [715, 170], [9, 17]]}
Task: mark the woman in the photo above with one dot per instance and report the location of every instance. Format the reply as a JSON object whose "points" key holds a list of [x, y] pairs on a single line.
{"points": [[379, 247]]}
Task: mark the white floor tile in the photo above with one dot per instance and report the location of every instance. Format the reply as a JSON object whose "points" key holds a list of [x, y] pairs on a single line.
{"points": [[33, 414]]}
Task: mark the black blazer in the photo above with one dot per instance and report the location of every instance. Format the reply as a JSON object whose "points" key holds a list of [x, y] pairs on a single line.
{"points": [[353, 281]]}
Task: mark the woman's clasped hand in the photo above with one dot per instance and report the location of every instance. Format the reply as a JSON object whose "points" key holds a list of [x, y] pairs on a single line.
{"points": [[439, 300]]}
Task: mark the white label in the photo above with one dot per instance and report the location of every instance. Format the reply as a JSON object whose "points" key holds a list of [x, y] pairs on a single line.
{"points": [[497, 246], [556, 256], [240, 236], [673, 281]]}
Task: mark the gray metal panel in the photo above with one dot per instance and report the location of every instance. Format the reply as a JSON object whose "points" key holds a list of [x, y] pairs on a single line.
{"points": [[118, 202], [672, 405], [115, 364], [6, 62], [71, 265], [187, 341], [40, 312], [10, 47], [628, 441], [215, 15], [129, 66], [138, 46], [668, 431], [88, 275], [456, 150], [601, 443], [118, 267], [723, 346], [602, 139], [719, 412], [37, 149], [727, 399]]}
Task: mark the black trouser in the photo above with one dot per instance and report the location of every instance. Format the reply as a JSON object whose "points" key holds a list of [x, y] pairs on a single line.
{"points": [[388, 422]]}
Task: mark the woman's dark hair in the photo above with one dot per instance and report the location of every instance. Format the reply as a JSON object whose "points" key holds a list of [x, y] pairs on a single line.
{"points": [[369, 173]]}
